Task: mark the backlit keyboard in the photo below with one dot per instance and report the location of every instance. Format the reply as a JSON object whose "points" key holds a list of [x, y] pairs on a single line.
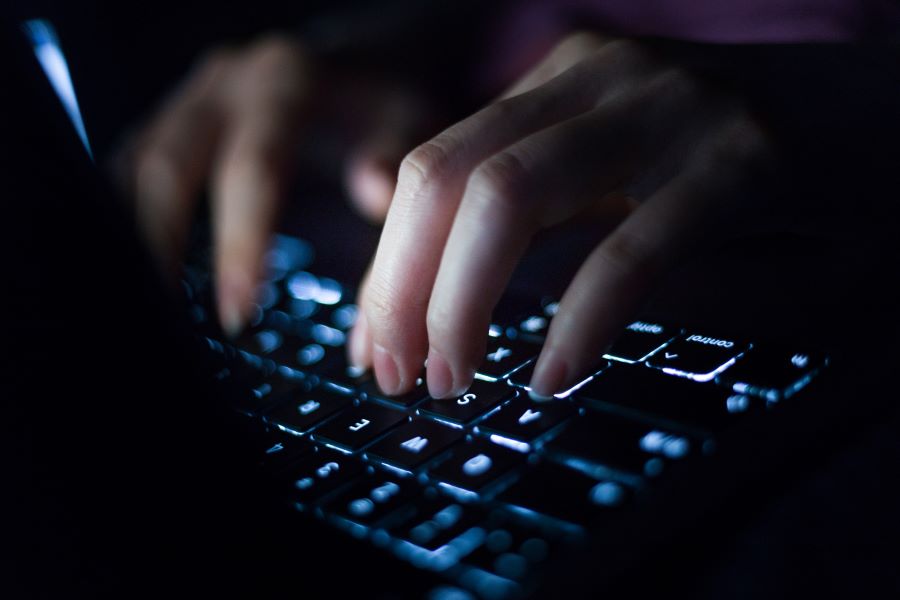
{"points": [[483, 488]]}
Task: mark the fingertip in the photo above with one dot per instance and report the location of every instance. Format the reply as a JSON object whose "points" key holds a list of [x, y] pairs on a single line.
{"points": [[549, 377], [371, 185], [359, 346], [387, 373], [235, 294], [438, 375], [538, 397]]}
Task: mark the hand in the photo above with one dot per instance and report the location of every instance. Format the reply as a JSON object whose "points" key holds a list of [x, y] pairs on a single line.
{"points": [[596, 120], [237, 121]]}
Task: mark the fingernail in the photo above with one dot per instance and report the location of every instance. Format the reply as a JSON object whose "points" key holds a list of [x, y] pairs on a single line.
{"points": [[386, 371], [233, 299], [439, 375], [232, 319], [538, 397], [548, 379], [358, 346]]}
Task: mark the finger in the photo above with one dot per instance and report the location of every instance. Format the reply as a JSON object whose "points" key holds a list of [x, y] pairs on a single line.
{"points": [[693, 210], [564, 55], [429, 188], [173, 157], [251, 172], [371, 175], [398, 120], [359, 344], [537, 182]]}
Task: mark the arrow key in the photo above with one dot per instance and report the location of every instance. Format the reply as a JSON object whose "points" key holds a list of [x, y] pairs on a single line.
{"points": [[524, 421]]}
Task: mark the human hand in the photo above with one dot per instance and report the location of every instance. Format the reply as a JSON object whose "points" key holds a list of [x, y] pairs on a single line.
{"points": [[235, 123], [596, 120]]}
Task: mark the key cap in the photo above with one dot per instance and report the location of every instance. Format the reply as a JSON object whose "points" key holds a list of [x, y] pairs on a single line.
{"points": [[341, 316], [475, 465], [503, 356], [262, 343], [480, 399], [302, 413], [270, 393], [436, 522], [358, 426], [371, 499], [640, 340], [276, 451], [643, 394], [320, 474], [411, 398], [601, 442], [414, 444], [524, 421], [698, 357], [306, 356], [522, 378], [566, 495], [533, 326], [773, 374], [510, 551]]}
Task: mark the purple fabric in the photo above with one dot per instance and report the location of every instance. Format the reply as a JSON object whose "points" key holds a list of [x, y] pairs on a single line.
{"points": [[743, 21], [530, 28]]}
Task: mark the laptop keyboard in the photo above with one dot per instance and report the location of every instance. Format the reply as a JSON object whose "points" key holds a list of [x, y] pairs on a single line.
{"points": [[483, 488]]}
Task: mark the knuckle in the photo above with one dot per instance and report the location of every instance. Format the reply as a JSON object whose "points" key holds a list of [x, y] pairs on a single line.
{"points": [[381, 306], [741, 144], [424, 166], [581, 41], [628, 254], [496, 183], [157, 163], [438, 324], [275, 48]]}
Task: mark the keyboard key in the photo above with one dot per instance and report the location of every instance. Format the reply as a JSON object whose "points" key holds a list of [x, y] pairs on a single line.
{"points": [[358, 426], [510, 551], [566, 495], [262, 343], [370, 499], [640, 340], [308, 410], [480, 399], [306, 356], [414, 444], [533, 326], [503, 356], [341, 316], [773, 374], [322, 473], [697, 357], [522, 378], [601, 442], [642, 394], [276, 451], [411, 398], [270, 393], [475, 465], [437, 521], [524, 421]]}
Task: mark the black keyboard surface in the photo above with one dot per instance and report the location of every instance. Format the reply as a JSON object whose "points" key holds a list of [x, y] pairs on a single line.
{"points": [[484, 488]]}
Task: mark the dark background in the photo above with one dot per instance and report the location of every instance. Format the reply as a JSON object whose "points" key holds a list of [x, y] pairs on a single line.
{"points": [[116, 482]]}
